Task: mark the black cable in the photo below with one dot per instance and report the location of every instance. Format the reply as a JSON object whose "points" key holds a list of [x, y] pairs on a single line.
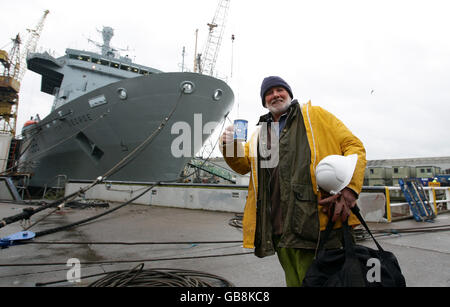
{"points": [[236, 221], [138, 277], [28, 212], [124, 261], [53, 230], [361, 234], [130, 243]]}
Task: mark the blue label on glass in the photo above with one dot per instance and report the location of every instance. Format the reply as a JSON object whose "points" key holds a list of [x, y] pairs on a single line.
{"points": [[240, 129]]}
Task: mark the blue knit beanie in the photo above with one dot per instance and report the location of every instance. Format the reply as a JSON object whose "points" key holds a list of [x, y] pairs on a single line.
{"points": [[272, 81]]}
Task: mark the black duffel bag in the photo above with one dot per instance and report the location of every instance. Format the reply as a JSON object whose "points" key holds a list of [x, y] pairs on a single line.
{"points": [[354, 265]]}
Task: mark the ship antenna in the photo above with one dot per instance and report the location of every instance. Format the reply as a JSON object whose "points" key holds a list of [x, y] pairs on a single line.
{"points": [[233, 37], [232, 53], [196, 64], [182, 63]]}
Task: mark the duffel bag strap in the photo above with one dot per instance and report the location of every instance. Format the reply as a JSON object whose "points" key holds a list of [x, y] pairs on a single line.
{"points": [[326, 232], [330, 224], [357, 213], [349, 246]]}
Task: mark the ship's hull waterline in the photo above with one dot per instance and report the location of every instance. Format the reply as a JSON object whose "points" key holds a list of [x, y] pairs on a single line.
{"points": [[86, 137]]}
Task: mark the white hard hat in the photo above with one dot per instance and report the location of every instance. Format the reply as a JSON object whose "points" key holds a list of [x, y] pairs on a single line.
{"points": [[335, 172]]}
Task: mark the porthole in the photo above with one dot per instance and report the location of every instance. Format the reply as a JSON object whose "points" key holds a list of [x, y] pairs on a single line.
{"points": [[217, 94], [122, 93]]}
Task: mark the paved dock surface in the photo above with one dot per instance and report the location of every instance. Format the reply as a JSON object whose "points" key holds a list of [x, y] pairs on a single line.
{"points": [[424, 257]]}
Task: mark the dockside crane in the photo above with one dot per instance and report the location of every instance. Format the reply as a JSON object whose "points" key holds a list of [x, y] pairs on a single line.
{"points": [[9, 86], [12, 69], [205, 63], [31, 43]]}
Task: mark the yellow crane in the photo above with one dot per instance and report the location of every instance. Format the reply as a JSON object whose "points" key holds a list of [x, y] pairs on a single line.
{"points": [[14, 67], [9, 86]]}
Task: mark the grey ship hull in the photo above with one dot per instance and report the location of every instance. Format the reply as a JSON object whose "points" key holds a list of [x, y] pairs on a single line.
{"points": [[86, 137]]}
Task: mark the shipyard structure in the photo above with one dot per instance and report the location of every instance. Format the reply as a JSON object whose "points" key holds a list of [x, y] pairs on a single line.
{"points": [[388, 172], [378, 172]]}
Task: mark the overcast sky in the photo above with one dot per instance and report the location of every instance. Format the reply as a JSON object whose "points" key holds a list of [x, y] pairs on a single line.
{"points": [[382, 67]]}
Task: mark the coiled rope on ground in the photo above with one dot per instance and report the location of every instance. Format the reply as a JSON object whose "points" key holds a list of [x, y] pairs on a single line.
{"points": [[138, 277]]}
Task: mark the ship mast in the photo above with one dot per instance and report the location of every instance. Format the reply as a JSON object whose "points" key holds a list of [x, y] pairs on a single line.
{"points": [[107, 35]]}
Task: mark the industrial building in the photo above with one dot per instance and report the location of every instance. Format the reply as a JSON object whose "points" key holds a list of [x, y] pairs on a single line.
{"points": [[387, 172]]}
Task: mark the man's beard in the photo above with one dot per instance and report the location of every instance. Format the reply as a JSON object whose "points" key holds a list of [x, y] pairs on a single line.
{"points": [[279, 109]]}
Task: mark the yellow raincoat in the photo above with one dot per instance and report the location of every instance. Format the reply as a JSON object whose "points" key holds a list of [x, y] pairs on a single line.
{"points": [[318, 123]]}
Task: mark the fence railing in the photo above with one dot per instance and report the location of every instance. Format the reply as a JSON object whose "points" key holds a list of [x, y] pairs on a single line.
{"points": [[398, 208]]}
